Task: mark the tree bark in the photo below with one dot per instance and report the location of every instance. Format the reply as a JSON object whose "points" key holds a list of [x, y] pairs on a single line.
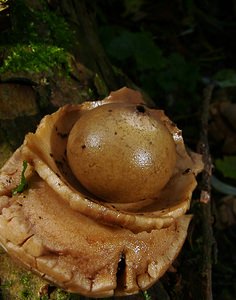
{"points": [[205, 199], [90, 52]]}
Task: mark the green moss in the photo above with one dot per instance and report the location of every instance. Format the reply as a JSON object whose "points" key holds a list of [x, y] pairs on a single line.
{"points": [[61, 295], [19, 284], [44, 297], [41, 25], [146, 296], [6, 285], [36, 58], [3, 4], [16, 283], [39, 40]]}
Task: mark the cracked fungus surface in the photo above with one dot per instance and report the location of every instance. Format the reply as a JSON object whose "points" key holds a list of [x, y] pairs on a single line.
{"points": [[78, 241]]}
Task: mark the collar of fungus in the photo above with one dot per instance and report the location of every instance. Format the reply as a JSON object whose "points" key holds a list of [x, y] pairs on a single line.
{"points": [[70, 237], [46, 151]]}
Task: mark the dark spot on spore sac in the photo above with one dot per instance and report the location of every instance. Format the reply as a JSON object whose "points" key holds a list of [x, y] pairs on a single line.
{"points": [[109, 110], [83, 146], [115, 133], [187, 171], [140, 109]]}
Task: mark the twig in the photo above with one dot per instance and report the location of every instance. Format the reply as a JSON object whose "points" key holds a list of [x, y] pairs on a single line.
{"points": [[205, 198]]}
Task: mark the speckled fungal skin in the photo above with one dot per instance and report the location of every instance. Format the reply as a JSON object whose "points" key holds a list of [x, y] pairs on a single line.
{"points": [[121, 153], [66, 234]]}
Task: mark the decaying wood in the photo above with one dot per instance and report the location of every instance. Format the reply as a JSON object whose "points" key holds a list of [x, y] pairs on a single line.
{"points": [[205, 199]]}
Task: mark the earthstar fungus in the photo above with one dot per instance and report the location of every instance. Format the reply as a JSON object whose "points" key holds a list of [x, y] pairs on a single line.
{"points": [[109, 183]]}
